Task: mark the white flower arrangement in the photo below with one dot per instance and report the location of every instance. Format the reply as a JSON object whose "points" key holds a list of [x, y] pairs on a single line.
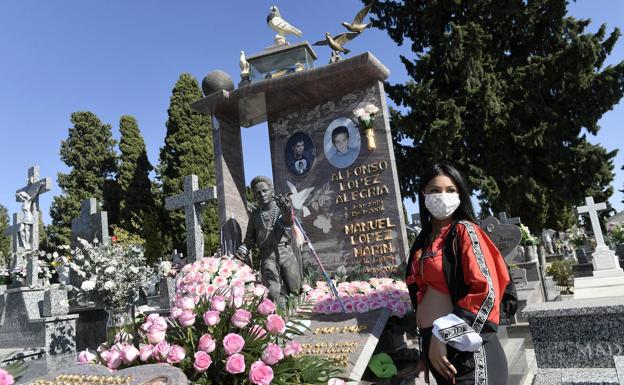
{"points": [[166, 269], [111, 274], [365, 116]]}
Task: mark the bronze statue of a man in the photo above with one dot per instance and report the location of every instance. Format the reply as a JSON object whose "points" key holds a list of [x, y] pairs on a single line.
{"points": [[269, 228]]}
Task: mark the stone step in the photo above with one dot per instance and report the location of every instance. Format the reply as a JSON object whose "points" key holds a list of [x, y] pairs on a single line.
{"points": [[588, 282], [521, 330], [517, 364], [531, 293], [576, 376]]}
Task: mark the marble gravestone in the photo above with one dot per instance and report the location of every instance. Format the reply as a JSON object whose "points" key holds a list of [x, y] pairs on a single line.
{"points": [[347, 339], [608, 276], [578, 341], [191, 200], [349, 204], [506, 237]]}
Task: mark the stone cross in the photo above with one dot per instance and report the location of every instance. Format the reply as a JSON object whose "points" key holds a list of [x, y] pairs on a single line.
{"points": [[13, 233], [90, 225], [28, 219], [508, 221], [191, 201], [593, 209]]}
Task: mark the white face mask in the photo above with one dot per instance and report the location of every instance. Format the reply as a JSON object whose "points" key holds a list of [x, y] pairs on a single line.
{"points": [[442, 205]]}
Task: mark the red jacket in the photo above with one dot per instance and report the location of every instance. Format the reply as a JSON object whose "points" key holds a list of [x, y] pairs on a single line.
{"points": [[474, 271]]}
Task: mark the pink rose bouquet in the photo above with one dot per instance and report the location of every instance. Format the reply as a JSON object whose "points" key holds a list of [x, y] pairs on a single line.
{"points": [[361, 296], [220, 335]]}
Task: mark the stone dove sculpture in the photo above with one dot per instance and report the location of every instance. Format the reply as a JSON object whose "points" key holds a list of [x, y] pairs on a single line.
{"points": [[358, 25], [244, 65], [298, 198], [281, 26], [337, 43]]}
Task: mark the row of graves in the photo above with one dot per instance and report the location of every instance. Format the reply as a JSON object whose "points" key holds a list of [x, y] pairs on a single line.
{"points": [[351, 215], [580, 340], [347, 203]]}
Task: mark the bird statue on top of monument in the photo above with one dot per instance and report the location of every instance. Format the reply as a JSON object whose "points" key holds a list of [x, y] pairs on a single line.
{"points": [[337, 43], [244, 65], [281, 26], [358, 25]]}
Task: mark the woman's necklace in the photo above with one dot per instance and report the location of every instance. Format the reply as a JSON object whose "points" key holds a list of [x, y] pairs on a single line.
{"points": [[269, 221]]}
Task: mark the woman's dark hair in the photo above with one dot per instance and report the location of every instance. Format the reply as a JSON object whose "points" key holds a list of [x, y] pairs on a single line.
{"points": [[340, 130], [465, 211]]}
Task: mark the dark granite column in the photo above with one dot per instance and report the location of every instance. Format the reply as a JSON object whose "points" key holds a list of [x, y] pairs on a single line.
{"points": [[230, 180]]}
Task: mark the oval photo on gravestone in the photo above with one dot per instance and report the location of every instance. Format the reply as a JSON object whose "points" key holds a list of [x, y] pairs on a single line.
{"points": [[299, 154], [342, 142]]}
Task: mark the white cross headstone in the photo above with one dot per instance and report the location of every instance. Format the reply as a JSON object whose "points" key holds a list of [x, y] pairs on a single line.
{"points": [[593, 209], [603, 258], [608, 277], [191, 200]]}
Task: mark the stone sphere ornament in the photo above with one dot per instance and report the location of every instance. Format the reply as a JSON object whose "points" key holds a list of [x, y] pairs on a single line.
{"points": [[217, 81]]}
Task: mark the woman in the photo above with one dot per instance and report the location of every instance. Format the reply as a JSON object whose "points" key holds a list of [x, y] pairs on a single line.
{"points": [[456, 278]]}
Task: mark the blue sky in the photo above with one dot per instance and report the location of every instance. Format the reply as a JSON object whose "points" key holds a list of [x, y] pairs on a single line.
{"points": [[119, 57]]}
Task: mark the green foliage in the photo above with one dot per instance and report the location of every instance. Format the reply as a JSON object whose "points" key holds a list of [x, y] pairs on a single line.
{"points": [[15, 369], [616, 235], [577, 237], [137, 207], [188, 150], [562, 274], [126, 238], [527, 238], [5, 241], [89, 153], [507, 90]]}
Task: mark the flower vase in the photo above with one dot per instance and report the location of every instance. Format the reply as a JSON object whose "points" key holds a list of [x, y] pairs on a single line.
{"points": [[119, 321], [370, 139]]}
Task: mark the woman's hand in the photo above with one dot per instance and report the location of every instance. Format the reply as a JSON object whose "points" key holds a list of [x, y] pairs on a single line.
{"points": [[437, 357]]}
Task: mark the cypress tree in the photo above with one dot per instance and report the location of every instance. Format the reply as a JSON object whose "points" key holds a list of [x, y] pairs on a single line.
{"points": [[188, 150], [5, 241], [133, 179], [137, 210], [508, 91], [89, 152]]}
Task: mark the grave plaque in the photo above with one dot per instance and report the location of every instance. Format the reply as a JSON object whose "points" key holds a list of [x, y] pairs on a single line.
{"points": [[87, 374], [506, 237], [347, 197], [349, 339]]}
